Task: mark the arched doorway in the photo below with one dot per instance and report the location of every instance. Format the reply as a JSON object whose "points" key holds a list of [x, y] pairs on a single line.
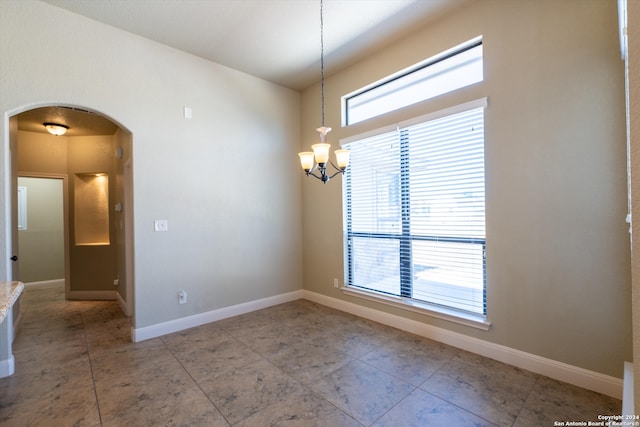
{"points": [[94, 159]]}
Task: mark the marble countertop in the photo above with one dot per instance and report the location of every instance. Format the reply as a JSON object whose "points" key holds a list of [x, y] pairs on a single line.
{"points": [[9, 293]]}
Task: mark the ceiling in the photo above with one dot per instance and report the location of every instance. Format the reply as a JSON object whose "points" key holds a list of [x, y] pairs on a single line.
{"points": [[276, 40]]}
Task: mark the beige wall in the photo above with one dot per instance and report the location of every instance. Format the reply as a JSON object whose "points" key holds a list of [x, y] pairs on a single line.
{"points": [[226, 180], [42, 153], [92, 267], [558, 270], [41, 250]]}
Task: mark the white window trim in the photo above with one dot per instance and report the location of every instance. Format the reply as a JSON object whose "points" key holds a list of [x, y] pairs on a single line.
{"points": [[462, 318], [402, 72], [459, 108], [22, 208], [622, 28]]}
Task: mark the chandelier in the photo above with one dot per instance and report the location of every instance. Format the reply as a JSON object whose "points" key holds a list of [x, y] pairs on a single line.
{"points": [[316, 161]]}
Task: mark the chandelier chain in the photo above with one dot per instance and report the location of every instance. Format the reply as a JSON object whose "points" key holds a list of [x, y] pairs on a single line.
{"points": [[322, 60]]}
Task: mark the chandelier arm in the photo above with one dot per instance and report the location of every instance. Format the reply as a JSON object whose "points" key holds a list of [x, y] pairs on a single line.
{"points": [[340, 171], [335, 167], [313, 175]]}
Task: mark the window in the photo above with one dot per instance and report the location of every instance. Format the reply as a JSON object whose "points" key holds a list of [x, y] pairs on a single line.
{"points": [[415, 211], [446, 72], [22, 207]]}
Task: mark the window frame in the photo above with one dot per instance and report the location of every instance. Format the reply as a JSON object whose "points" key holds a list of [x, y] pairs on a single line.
{"points": [[397, 77], [405, 300]]}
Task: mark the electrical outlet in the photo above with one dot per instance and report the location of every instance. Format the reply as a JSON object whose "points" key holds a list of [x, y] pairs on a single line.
{"points": [[336, 283], [182, 297], [116, 281]]}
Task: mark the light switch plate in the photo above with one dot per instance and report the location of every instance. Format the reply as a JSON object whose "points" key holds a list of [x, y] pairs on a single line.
{"points": [[161, 225]]}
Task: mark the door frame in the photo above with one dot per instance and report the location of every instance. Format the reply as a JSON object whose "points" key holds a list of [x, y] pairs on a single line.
{"points": [[65, 208], [128, 305]]}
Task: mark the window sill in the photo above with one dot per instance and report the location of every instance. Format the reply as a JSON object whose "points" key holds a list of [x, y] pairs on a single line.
{"points": [[467, 319]]}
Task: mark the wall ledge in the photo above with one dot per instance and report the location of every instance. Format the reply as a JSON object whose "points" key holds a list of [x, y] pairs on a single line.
{"points": [[164, 328], [580, 377]]}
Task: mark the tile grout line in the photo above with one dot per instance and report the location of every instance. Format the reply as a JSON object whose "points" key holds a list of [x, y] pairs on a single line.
{"points": [[524, 401], [93, 380], [466, 410], [303, 385], [403, 380], [310, 390], [195, 381]]}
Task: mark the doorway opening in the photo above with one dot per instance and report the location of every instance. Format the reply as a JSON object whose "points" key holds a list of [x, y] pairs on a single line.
{"points": [[92, 163], [43, 251]]}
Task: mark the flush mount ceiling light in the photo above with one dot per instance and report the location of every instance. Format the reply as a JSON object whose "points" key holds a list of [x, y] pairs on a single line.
{"points": [[319, 157], [56, 129]]}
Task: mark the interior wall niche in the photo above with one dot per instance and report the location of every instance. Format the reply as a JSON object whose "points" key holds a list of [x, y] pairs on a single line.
{"points": [[91, 209]]}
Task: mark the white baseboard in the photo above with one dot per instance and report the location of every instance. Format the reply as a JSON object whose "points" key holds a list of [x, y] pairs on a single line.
{"points": [[7, 367], [45, 283], [75, 295], [92, 295], [123, 305], [595, 381], [580, 377], [153, 331]]}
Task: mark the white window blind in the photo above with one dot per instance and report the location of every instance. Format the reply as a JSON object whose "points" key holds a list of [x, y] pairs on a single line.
{"points": [[415, 212]]}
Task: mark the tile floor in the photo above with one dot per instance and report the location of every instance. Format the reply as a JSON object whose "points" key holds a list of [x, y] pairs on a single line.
{"points": [[296, 364]]}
